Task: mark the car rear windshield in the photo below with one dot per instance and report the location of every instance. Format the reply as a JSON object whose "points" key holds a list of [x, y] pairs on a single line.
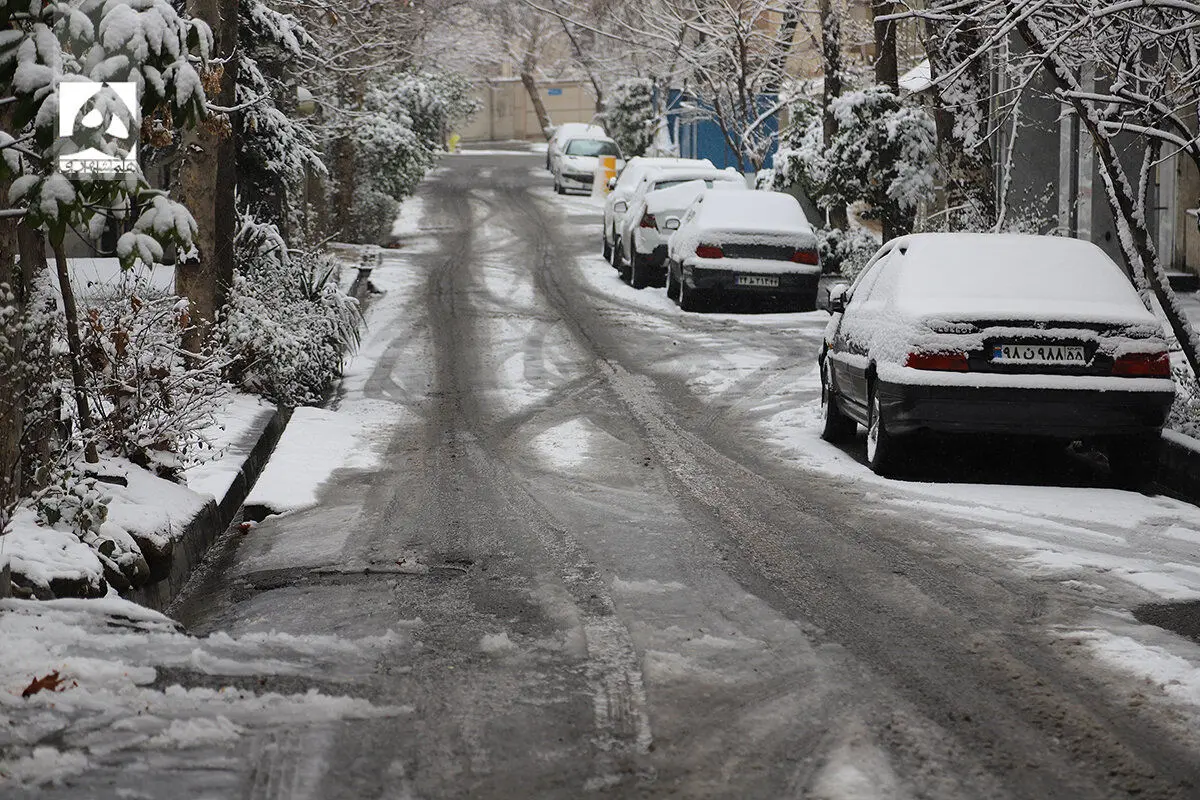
{"points": [[592, 147]]}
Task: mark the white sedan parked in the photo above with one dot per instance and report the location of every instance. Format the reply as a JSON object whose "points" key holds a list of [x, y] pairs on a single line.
{"points": [[645, 236], [566, 131], [623, 188], [575, 167], [631, 209], [749, 244]]}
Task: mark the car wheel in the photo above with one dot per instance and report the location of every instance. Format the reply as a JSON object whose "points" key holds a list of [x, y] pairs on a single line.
{"points": [[672, 285], [881, 446], [689, 299], [615, 259], [837, 426], [638, 278], [1133, 461], [606, 248]]}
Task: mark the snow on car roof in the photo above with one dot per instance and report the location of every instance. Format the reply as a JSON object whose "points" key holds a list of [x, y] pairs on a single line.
{"points": [[1014, 275], [578, 129], [752, 212], [680, 196]]}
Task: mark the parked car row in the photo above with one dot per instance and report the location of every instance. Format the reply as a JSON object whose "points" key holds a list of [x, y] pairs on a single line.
{"points": [[703, 234], [940, 333]]}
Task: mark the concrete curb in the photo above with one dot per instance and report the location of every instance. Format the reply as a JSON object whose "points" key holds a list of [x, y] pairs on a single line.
{"points": [[1179, 466], [212, 520]]}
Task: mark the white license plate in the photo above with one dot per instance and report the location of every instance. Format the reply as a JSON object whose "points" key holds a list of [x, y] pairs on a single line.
{"points": [[757, 280], [1067, 354]]}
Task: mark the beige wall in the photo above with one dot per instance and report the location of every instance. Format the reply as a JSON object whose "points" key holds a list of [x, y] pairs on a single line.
{"points": [[506, 111]]}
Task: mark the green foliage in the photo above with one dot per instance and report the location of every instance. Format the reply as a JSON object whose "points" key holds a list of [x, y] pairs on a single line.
{"points": [[629, 115]]}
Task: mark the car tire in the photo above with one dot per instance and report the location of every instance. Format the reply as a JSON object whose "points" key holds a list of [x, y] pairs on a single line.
{"points": [[615, 255], [690, 299], [672, 285], [836, 426], [1133, 461], [638, 278], [606, 249], [881, 445]]}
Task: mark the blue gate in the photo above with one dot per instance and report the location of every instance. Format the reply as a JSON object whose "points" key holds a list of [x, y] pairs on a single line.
{"points": [[697, 134]]}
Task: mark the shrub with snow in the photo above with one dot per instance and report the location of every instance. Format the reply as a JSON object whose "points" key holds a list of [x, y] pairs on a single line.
{"points": [[884, 153], [287, 326], [629, 115]]}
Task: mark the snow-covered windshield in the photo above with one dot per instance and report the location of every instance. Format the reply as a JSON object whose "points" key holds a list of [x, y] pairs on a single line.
{"points": [[592, 147]]}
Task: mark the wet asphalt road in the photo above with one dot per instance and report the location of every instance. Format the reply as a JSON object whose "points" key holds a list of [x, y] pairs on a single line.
{"points": [[672, 615]]}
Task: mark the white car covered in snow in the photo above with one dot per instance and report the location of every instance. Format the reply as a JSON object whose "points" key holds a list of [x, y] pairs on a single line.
{"points": [[623, 187], [566, 131], [970, 333], [755, 245], [575, 167], [644, 234], [652, 181]]}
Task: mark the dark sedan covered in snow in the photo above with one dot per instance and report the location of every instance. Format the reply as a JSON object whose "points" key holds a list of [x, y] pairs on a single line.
{"points": [[1002, 334]]}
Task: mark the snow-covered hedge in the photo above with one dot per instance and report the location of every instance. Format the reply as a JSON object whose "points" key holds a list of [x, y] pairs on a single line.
{"points": [[884, 153], [287, 326], [629, 115]]}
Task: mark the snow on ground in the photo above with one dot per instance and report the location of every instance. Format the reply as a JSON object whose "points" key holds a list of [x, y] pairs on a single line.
{"points": [[232, 437], [318, 442], [107, 657]]}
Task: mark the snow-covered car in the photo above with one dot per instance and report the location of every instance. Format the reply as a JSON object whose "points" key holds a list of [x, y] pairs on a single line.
{"points": [[645, 235], [566, 131], [652, 181], [756, 245], [625, 185], [575, 166], [964, 333]]}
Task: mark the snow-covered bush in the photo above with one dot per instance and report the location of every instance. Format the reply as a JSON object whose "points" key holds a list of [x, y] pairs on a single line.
{"points": [[73, 501], [884, 153], [287, 326], [846, 252], [1185, 411], [629, 115], [149, 401]]}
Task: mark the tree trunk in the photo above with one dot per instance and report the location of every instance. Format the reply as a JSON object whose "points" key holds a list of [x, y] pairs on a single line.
{"points": [[1136, 242], [344, 173], [207, 180], [71, 314], [831, 60], [962, 125], [528, 66], [887, 72]]}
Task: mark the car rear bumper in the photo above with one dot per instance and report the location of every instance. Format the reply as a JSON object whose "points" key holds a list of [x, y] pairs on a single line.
{"points": [[1059, 413], [790, 283]]}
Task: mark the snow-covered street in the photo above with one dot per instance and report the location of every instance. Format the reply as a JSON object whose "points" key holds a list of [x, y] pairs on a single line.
{"points": [[556, 536]]}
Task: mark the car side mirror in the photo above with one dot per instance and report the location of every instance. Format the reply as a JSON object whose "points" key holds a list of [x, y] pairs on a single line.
{"points": [[672, 224], [612, 184], [839, 295], [620, 206]]}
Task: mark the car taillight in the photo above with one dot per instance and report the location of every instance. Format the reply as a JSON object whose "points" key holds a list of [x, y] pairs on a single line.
{"points": [[648, 221], [806, 257], [709, 251], [1142, 365], [943, 362]]}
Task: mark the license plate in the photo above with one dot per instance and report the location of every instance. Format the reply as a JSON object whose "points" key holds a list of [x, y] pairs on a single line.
{"points": [[757, 280], [1067, 354]]}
